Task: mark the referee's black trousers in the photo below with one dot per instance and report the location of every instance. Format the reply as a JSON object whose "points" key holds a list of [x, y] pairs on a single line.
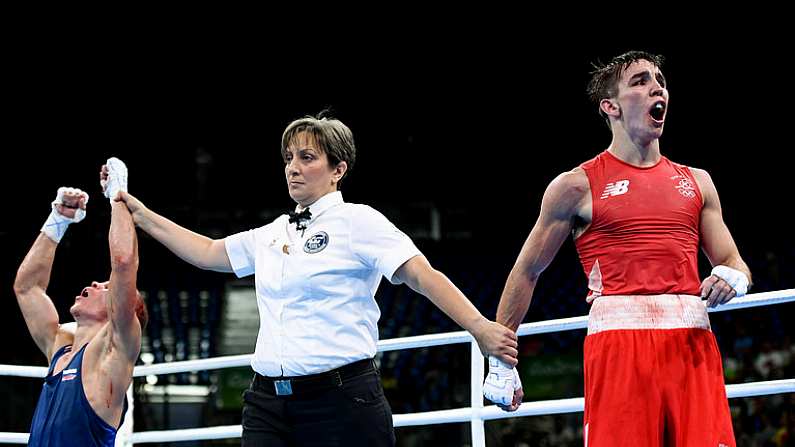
{"points": [[344, 407]]}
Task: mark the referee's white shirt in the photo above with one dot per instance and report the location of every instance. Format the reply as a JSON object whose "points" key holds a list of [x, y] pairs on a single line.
{"points": [[315, 290]]}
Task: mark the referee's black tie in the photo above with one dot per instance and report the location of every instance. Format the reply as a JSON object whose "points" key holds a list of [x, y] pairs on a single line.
{"points": [[299, 218]]}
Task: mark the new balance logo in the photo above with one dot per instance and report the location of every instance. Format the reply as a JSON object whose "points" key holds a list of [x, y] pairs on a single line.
{"points": [[616, 189]]}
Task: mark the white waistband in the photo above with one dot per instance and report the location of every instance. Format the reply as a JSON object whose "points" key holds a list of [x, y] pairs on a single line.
{"points": [[647, 312]]}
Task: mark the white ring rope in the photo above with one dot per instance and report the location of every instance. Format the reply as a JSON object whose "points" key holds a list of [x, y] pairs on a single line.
{"points": [[467, 414], [419, 341], [23, 371], [456, 415]]}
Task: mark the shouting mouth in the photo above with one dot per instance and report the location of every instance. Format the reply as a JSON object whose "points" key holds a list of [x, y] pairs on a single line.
{"points": [[657, 112], [83, 294]]}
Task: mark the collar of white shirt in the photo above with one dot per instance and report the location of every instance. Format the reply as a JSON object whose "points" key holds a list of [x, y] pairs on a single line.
{"points": [[322, 204]]}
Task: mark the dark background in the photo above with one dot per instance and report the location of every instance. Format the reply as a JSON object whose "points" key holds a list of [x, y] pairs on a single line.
{"points": [[478, 123], [482, 125]]}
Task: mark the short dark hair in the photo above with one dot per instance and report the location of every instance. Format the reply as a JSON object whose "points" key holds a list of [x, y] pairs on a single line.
{"points": [[332, 135], [604, 77]]}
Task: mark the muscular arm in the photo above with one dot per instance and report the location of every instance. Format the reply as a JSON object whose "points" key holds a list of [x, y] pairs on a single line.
{"points": [[198, 250], [494, 339], [563, 200], [716, 240], [30, 288], [125, 329]]}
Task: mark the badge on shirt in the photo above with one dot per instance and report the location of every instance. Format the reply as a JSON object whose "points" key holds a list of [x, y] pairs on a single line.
{"points": [[685, 187], [316, 243], [69, 374]]}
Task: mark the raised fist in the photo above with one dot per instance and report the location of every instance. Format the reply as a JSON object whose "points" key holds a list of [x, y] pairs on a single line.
{"points": [[71, 203], [113, 177], [68, 207]]}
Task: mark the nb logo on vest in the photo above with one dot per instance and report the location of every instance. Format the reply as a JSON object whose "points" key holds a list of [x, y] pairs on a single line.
{"points": [[616, 189]]}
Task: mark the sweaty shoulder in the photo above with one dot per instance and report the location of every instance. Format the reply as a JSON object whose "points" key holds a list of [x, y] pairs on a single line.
{"points": [[700, 175], [705, 184], [569, 192]]}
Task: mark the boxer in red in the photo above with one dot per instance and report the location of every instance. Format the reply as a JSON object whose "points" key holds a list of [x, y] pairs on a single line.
{"points": [[653, 373]]}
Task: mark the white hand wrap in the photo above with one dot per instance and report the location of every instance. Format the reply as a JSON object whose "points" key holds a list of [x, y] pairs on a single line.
{"points": [[501, 382], [117, 178], [735, 278], [517, 381], [56, 224]]}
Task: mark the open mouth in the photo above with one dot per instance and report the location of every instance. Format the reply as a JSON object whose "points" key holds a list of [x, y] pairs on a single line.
{"points": [[657, 111], [84, 293]]}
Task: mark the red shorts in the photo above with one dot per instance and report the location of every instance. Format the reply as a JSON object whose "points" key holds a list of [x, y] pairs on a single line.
{"points": [[653, 375]]}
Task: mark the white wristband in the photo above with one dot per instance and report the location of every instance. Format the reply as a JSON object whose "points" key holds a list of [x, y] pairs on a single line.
{"points": [[55, 226], [735, 278], [517, 382], [503, 370]]}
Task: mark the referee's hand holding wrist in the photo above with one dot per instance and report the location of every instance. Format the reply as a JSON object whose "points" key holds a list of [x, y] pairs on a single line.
{"points": [[496, 340]]}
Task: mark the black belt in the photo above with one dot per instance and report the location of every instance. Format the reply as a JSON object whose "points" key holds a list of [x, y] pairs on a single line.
{"points": [[286, 386]]}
